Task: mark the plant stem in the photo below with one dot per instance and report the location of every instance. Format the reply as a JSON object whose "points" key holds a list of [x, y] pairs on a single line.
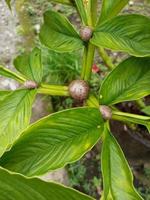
{"points": [[92, 101], [106, 58], [89, 62], [128, 117], [54, 90], [84, 62]]}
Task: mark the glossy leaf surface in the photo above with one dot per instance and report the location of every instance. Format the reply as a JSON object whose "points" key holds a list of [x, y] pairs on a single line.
{"points": [[15, 112], [127, 33], [117, 177], [58, 34], [17, 187], [30, 65], [130, 80], [110, 8], [54, 141]]}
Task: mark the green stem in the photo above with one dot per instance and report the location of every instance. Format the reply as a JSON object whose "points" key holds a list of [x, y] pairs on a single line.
{"points": [[106, 58], [84, 62], [127, 117], [92, 101], [135, 116], [89, 61], [54, 90]]}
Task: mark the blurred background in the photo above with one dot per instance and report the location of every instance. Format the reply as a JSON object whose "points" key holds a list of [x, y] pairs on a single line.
{"points": [[19, 30]]}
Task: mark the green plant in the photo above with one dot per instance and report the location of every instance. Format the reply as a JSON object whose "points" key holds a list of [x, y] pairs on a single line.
{"points": [[64, 137]]}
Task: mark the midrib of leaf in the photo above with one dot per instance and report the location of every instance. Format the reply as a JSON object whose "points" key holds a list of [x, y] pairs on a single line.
{"points": [[69, 139]]}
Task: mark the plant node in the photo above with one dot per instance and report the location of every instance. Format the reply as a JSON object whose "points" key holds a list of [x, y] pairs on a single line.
{"points": [[29, 84], [106, 112], [79, 90], [86, 33]]}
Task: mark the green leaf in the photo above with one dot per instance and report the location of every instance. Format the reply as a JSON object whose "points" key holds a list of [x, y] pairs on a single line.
{"points": [[58, 34], [30, 65], [120, 35], [15, 112], [117, 176], [9, 74], [4, 94], [81, 6], [130, 80], [17, 187], [54, 141], [111, 8], [146, 110], [8, 2]]}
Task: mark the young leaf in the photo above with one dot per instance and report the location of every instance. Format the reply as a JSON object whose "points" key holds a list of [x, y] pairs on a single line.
{"points": [[130, 80], [9, 74], [117, 177], [30, 65], [81, 5], [15, 112], [58, 34], [18, 187], [120, 35], [111, 8], [54, 141]]}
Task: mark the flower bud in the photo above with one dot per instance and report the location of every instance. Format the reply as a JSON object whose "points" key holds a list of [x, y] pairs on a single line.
{"points": [[29, 84], [79, 90], [106, 112], [86, 33]]}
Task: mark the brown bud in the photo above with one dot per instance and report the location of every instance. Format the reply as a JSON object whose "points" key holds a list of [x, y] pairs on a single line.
{"points": [[30, 84], [79, 89], [106, 112], [86, 33]]}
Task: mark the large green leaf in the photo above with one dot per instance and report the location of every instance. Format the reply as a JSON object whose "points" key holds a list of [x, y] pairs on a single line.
{"points": [[127, 33], [54, 141], [17, 187], [58, 34], [130, 80], [117, 177], [111, 8], [15, 112], [30, 65], [9, 74]]}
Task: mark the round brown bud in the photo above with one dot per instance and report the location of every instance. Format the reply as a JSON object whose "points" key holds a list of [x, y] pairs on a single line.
{"points": [[106, 112], [30, 84], [86, 33], [79, 89]]}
